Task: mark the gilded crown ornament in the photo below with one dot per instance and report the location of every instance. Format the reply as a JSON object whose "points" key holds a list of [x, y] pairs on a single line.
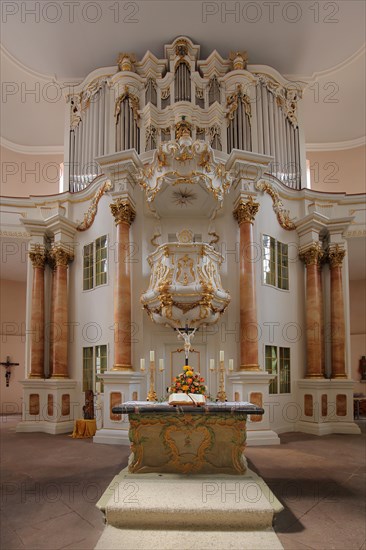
{"points": [[122, 212], [336, 255], [246, 210], [239, 60], [38, 256], [313, 255], [126, 61]]}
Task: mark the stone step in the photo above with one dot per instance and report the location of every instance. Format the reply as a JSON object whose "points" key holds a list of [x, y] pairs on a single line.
{"points": [[141, 539], [181, 502]]}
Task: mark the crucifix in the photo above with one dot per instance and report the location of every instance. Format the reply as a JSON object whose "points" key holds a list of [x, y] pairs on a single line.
{"points": [[7, 365], [186, 333]]}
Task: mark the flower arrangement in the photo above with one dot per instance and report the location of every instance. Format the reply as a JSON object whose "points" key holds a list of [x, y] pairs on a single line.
{"points": [[188, 382]]}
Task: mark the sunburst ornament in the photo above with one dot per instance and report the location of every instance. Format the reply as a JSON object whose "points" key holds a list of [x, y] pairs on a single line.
{"points": [[184, 197]]}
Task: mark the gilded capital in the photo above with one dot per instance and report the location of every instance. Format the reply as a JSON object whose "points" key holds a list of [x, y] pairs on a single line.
{"points": [[122, 212], [246, 211], [61, 257], [336, 255], [312, 255], [38, 256]]}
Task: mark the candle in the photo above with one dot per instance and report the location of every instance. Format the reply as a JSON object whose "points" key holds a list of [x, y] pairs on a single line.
{"points": [[98, 386], [212, 364], [161, 365], [221, 355], [152, 355], [231, 364], [142, 364]]}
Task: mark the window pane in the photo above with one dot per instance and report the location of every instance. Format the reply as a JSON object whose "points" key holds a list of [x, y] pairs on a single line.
{"points": [[88, 369], [100, 363], [271, 366], [282, 266], [88, 259], [269, 260], [101, 261], [285, 372]]}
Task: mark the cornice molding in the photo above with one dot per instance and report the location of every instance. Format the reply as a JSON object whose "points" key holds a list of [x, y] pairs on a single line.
{"points": [[31, 149], [335, 146]]}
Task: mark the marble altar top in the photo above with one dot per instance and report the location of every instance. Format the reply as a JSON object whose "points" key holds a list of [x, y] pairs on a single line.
{"points": [[227, 407]]}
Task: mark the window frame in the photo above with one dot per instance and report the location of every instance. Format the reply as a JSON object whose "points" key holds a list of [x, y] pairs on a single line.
{"points": [[96, 262], [278, 269], [282, 354]]}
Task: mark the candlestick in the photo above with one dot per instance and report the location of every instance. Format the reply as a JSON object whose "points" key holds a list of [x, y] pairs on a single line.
{"points": [[161, 365], [142, 364], [221, 394], [212, 364], [151, 396], [231, 364], [222, 355]]}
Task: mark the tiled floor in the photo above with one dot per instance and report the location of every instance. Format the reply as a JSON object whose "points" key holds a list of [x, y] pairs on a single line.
{"points": [[50, 485]]}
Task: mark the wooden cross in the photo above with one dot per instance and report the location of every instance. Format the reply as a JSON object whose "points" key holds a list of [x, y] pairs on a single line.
{"points": [[7, 365]]}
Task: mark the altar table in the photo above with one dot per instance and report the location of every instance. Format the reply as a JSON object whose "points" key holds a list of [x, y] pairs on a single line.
{"points": [[84, 428], [208, 439]]}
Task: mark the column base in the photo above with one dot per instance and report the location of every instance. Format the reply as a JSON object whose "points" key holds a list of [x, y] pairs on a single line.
{"points": [[122, 368], [250, 368], [339, 376], [314, 377], [36, 377], [59, 377]]}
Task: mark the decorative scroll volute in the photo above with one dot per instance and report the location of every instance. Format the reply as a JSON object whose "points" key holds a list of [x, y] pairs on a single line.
{"points": [[313, 255], [246, 211], [38, 256], [122, 212], [336, 255]]}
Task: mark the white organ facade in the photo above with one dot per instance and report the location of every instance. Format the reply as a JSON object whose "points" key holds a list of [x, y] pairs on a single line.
{"points": [[185, 205]]}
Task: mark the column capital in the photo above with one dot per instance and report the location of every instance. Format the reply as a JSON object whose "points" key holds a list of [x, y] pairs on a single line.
{"points": [[60, 256], [312, 255], [122, 212], [246, 210], [336, 254], [38, 256]]}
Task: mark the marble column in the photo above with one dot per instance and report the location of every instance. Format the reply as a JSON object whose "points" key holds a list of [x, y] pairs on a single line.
{"points": [[245, 213], [52, 313], [312, 257], [335, 256], [61, 259], [38, 259], [124, 215]]}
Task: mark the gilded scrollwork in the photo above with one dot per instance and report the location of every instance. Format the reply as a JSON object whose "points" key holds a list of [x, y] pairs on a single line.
{"points": [[232, 103], [89, 216], [286, 96], [133, 101], [282, 214]]}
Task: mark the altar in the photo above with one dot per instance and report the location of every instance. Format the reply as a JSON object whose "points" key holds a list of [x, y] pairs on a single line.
{"points": [[208, 439]]}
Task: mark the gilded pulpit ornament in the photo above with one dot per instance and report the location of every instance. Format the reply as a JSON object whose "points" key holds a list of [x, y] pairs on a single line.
{"points": [[246, 211], [239, 60], [336, 255], [122, 212], [126, 62], [312, 255], [38, 256]]}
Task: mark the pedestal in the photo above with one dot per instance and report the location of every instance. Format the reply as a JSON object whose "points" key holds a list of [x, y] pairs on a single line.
{"points": [[253, 387], [49, 406], [326, 407], [119, 386]]}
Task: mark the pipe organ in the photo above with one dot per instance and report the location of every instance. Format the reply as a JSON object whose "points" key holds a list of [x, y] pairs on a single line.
{"points": [[226, 102]]}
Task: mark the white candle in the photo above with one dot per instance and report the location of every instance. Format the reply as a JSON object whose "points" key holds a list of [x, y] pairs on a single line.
{"points": [[221, 355], [212, 364], [161, 365], [142, 364], [152, 355], [231, 364], [98, 386]]}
